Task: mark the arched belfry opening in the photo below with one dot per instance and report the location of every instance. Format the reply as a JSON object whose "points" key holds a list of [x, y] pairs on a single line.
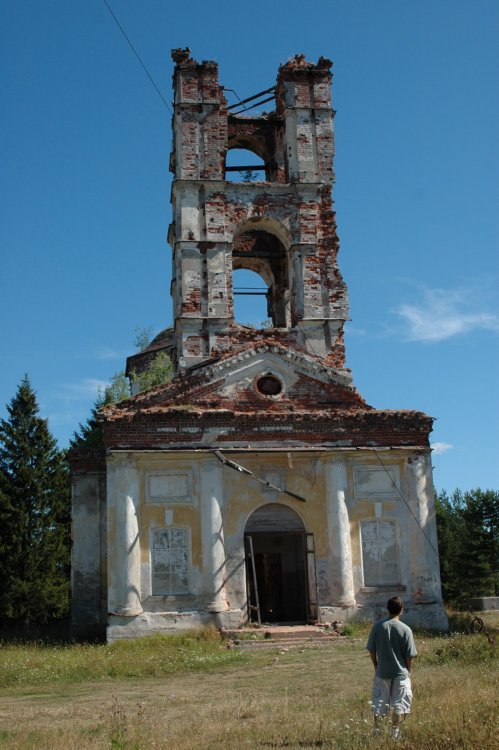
{"points": [[250, 291], [263, 137], [260, 251], [244, 165], [276, 565]]}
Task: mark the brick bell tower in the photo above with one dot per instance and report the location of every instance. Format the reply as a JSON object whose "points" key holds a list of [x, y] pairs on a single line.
{"points": [[283, 228]]}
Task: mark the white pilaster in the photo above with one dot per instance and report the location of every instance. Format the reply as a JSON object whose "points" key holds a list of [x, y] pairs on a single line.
{"points": [[423, 543], [339, 534], [123, 537], [213, 535]]}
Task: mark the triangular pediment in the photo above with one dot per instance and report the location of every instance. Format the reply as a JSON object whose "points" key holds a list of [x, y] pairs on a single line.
{"points": [[264, 377]]}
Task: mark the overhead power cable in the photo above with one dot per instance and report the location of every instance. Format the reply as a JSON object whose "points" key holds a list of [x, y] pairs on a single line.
{"points": [[406, 503], [137, 56], [477, 624], [142, 64]]}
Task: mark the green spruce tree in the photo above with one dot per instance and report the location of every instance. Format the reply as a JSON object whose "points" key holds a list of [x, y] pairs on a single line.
{"points": [[450, 529], [478, 558], [468, 543], [34, 517]]}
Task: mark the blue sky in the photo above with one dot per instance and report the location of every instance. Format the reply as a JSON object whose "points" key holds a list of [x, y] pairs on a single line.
{"points": [[85, 194]]}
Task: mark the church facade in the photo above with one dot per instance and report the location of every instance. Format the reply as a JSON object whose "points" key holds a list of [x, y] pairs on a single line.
{"points": [[257, 485]]}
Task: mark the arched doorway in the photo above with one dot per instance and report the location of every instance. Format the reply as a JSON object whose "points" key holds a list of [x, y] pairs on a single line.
{"points": [[276, 565]]}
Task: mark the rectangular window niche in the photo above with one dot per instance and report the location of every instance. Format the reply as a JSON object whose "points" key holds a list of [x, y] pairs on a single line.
{"points": [[376, 482], [169, 487], [380, 555], [170, 561]]}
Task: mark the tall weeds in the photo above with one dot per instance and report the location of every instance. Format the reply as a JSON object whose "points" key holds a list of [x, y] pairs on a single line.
{"points": [[154, 656]]}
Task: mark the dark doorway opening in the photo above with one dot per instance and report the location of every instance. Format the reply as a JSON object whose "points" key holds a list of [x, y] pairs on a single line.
{"points": [[280, 572]]}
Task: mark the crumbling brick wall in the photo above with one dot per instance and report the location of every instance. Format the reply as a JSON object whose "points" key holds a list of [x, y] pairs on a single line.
{"points": [[211, 214]]}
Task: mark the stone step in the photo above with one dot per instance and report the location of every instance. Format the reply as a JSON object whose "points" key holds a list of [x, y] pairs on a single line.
{"points": [[283, 645], [281, 637], [277, 632]]}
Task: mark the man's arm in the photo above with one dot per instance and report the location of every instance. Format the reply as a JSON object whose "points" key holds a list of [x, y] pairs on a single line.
{"points": [[408, 662], [374, 659]]}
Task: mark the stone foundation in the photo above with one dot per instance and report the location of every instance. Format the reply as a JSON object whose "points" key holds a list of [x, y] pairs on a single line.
{"points": [[421, 616], [169, 623], [484, 602]]}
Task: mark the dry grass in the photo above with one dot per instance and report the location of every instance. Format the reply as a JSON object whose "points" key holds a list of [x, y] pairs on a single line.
{"points": [[316, 698], [37, 663]]}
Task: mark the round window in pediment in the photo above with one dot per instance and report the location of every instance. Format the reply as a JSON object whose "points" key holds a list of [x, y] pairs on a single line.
{"points": [[269, 385]]}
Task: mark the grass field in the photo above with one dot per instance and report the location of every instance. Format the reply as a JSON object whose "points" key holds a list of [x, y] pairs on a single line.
{"points": [[192, 692]]}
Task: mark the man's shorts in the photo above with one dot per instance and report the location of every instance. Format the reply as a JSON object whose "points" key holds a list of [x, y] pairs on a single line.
{"points": [[395, 693]]}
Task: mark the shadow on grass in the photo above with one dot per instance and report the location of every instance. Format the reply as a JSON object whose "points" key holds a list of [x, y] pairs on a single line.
{"points": [[59, 632]]}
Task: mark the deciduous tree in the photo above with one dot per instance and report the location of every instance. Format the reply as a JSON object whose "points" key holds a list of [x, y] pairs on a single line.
{"points": [[159, 371]]}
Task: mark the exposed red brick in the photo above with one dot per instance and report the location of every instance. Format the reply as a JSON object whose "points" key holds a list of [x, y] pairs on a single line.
{"points": [[198, 407]]}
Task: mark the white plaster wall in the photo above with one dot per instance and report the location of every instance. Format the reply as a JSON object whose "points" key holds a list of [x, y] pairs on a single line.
{"points": [[218, 587], [217, 284], [86, 556], [189, 223]]}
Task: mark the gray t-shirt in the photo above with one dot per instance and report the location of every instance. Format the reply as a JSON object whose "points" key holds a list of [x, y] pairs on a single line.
{"points": [[394, 644]]}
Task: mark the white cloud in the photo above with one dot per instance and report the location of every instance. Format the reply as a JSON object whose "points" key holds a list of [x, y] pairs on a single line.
{"points": [[442, 314], [354, 330], [68, 417], [439, 448], [104, 354], [81, 389], [70, 403]]}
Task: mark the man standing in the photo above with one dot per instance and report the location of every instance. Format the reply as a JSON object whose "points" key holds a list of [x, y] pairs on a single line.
{"points": [[391, 647]]}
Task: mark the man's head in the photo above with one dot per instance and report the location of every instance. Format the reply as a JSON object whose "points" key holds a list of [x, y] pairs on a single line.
{"points": [[395, 605]]}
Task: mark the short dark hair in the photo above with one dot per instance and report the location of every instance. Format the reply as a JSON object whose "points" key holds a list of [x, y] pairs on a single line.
{"points": [[395, 605]]}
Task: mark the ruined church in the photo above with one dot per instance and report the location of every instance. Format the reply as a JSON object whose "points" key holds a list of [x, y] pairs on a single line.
{"points": [[258, 485]]}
